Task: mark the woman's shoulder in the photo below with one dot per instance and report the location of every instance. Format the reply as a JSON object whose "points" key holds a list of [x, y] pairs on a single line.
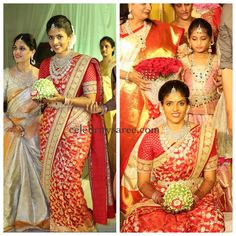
{"points": [[45, 61], [35, 72], [150, 134], [166, 25]]}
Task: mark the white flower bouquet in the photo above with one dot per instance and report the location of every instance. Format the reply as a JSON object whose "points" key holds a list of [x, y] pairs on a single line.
{"points": [[178, 197], [43, 88]]}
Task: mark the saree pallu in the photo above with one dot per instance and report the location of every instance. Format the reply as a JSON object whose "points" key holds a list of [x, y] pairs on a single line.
{"points": [[25, 204], [68, 136], [147, 216], [162, 41]]}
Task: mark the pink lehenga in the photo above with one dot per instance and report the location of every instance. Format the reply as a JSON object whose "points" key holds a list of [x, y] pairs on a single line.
{"points": [[208, 107], [147, 216], [25, 204], [68, 135]]}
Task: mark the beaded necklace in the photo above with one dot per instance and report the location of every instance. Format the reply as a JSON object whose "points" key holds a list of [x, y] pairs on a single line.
{"points": [[24, 79], [141, 34], [174, 150], [201, 75], [60, 66]]}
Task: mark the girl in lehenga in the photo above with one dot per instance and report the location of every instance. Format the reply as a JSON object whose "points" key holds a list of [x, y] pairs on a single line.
{"points": [[200, 73], [25, 205], [66, 137], [179, 152], [140, 39]]}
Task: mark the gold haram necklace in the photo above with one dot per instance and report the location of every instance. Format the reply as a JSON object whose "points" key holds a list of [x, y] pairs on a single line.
{"points": [[60, 66], [184, 134]]}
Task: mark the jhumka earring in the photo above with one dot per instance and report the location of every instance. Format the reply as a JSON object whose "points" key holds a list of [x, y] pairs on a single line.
{"points": [[163, 116], [190, 50], [210, 49], [130, 16], [186, 118], [51, 49], [32, 61]]}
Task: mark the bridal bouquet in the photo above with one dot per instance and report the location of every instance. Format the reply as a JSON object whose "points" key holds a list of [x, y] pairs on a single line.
{"points": [[158, 70], [43, 88], [177, 198], [159, 67]]}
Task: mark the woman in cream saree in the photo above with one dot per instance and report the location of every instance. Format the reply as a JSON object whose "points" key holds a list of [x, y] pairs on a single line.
{"points": [[25, 205]]}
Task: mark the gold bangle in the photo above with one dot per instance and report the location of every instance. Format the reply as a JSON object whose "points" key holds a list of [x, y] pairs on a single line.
{"points": [[68, 101], [127, 76]]}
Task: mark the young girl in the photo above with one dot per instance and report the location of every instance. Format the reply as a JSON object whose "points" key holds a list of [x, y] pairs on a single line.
{"points": [[200, 74]]}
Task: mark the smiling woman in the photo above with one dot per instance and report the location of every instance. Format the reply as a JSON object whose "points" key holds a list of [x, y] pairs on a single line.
{"points": [[63, 153], [23, 209], [181, 154]]}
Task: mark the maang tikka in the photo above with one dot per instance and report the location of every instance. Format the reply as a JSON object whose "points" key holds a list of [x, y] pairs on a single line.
{"points": [[53, 26], [173, 91], [199, 30]]}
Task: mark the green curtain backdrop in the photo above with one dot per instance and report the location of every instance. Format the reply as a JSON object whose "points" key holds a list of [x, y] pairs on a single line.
{"points": [[91, 22]]}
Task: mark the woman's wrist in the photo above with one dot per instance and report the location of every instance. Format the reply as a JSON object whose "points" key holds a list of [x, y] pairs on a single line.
{"points": [[67, 101], [127, 76], [156, 196], [196, 198], [104, 109]]}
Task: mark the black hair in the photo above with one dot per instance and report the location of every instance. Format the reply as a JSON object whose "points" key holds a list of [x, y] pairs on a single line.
{"points": [[124, 12], [109, 40], [166, 88], [61, 22], [28, 39], [203, 24]]}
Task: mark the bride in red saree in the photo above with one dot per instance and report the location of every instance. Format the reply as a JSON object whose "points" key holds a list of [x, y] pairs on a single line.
{"points": [[69, 134], [140, 39], [179, 152]]}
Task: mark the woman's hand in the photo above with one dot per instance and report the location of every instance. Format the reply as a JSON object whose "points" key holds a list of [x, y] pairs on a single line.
{"points": [[57, 98], [17, 130], [137, 78], [218, 82], [157, 197], [94, 108]]}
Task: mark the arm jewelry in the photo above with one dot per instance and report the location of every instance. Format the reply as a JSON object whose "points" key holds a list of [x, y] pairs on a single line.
{"points": [[156, 196], [127, 76], [68, 101], [204, 189]]}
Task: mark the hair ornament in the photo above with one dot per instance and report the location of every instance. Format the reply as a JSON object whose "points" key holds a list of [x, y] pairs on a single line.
{"points": [[53, 26], [173, 90], [199, 30]]}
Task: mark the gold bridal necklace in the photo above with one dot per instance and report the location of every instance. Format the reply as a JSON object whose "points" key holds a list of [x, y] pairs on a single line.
{"points": [[60, 66], [183, 134]]}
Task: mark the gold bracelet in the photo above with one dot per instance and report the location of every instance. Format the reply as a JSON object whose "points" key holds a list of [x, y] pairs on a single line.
{"points": [[127, 76], [68, 101]]}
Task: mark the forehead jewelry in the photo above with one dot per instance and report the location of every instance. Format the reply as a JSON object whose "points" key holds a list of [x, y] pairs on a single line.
{"points": [[173, 90], [199, 30], [53, 26]]}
